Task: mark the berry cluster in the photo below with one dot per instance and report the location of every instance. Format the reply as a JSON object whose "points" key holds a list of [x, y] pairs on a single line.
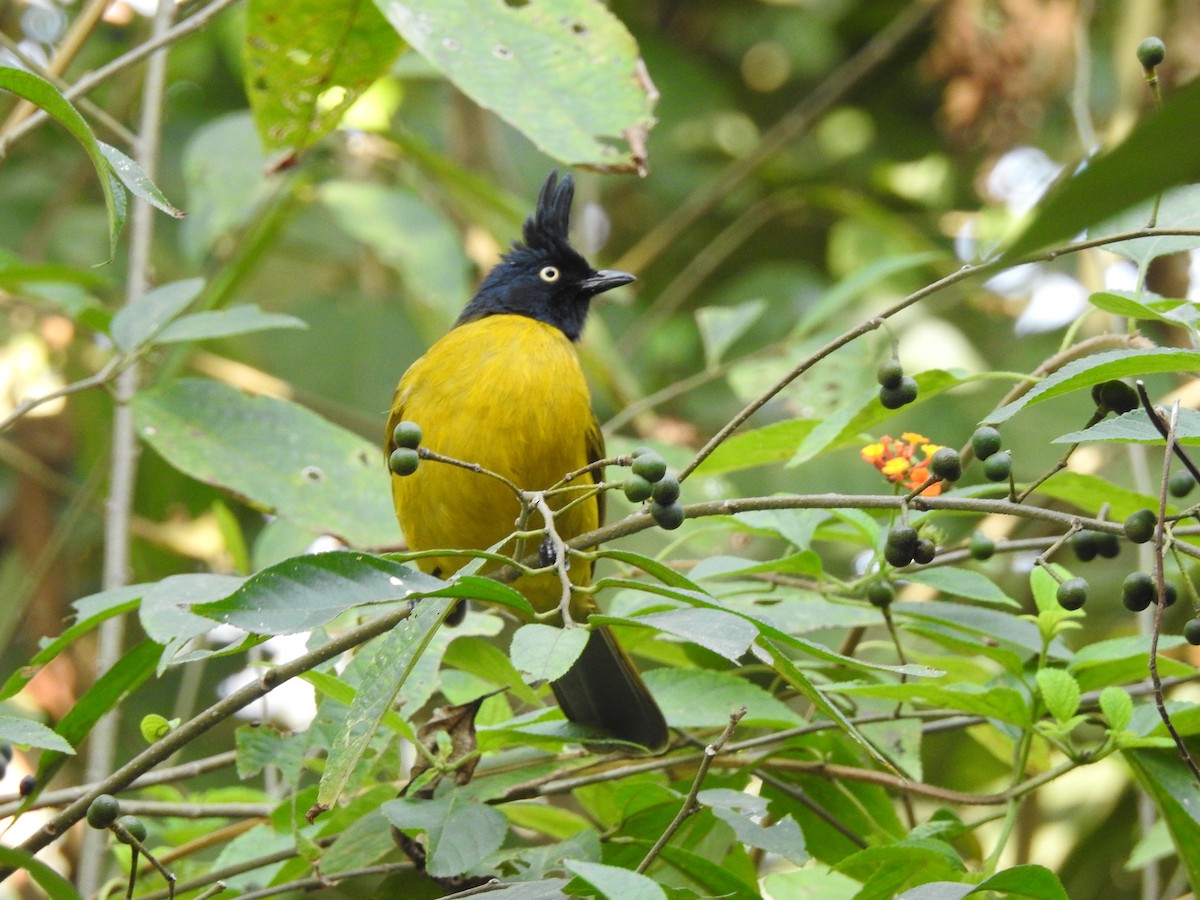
{"points": [[650, 480]]}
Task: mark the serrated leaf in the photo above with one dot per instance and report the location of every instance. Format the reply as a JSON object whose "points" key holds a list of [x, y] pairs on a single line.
{"points": [[1148, 161], [962, 583], [565, 73], [615, 883], [137, 181], [276, 454], [29, 733], [1099, 367], [721, 326], [545, 653], [1060, 692], [308, 61], [744, 812], [461, 832], [1117, 706], [699, 698], [305, 592], [398, 653], [43, 94], [220, 323], [1134, 427], [1001, 703], [136, 323]]}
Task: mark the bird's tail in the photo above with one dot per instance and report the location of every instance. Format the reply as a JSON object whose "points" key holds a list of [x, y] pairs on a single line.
{"points": [[604, 690]]}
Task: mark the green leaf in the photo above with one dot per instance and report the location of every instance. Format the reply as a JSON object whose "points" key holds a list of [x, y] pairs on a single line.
{"points": [[721, 632], [1030, 881], [280, 456], [1117, 706], [699, 698], [887, 870], [1060, 692], [55, 886], [1179, 208], [744, 814], [1134, 427], [565, 73], [1123, 659], [863, 412], [1145, 305], [138, 322], [545, 653], [363, 842], [1148, 161], [398, 653], [305, 592], [306, 63], [1083, 373], [774, 443], [43, 94], [29, 733], [406, 233], [721, 326], [962, 583], [137, 181], [220, 323], [223, 165], [1091, 492], [461, 832], [1001, 703], [615, 883], [1170, 784]]}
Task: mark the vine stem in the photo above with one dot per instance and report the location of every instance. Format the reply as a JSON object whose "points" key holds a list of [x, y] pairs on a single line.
{"points": [[118, 511]]}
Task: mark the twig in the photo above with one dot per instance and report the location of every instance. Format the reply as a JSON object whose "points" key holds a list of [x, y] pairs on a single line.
{"points": [[100, 378], [538, 500], [690, 806]]}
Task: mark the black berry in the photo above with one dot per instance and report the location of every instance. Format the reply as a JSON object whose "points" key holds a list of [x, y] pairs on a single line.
{"points": [[1139, 527]]}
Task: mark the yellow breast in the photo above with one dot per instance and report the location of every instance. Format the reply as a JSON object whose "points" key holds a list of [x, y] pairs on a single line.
{"points": [[506, 392]]}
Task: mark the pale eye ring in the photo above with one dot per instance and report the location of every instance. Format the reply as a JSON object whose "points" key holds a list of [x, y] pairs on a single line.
{"points": [[549, 274]]}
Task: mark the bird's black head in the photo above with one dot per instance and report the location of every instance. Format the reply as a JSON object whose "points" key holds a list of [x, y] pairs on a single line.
{"points": [[544, 277]]}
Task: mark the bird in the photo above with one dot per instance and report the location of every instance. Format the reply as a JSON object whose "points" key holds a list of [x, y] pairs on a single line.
{"points": [[504, 389]]}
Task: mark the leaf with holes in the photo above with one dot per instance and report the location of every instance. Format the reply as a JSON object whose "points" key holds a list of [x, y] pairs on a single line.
{"points": [[307, 61], [565, 73], [278, 456]]}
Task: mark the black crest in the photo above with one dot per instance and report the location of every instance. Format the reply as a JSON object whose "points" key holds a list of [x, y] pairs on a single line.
{"points": [[547, 229]]}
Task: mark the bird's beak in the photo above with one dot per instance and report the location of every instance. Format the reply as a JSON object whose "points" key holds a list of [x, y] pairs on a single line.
{"points": [[605, 280]]}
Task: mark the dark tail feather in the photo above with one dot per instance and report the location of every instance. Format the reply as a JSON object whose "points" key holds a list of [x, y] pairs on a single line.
{"points": [[604, 690]]}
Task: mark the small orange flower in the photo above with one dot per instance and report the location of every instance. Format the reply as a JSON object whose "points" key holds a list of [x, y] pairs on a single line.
{"points": [[899, 462]]}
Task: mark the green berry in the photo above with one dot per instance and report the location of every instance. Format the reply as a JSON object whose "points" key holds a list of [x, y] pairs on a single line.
{"points": [[900, 545], [666, 491], [1151, 52], [27, 786], [407, 434], [890, 373], [103, 811], [925, 552], [1137, 591], [982, 546], [881, 593], [1115, 396], [669, 516], [134, 826], [640, 451], [1108, 544], [1180, 483], [998, 466], [1170, 595], [1139, 527], [650, 466], [1084, 545], [1072, 593], [985, 441], [901, 395], [1191, 632], [404, 461], [637, 488], [946, 464]]}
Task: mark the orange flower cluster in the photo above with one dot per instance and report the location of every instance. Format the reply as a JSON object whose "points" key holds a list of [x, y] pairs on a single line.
{"points": [[895, 459]]}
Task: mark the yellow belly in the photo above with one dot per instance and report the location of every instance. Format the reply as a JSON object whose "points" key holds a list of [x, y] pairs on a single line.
{"points": [[506, 392]]}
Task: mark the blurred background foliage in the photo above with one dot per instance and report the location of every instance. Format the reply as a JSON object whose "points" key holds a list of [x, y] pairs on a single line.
{"points": [[809, 218]]}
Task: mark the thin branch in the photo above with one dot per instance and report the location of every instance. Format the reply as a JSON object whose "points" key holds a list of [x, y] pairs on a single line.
{"points": [[690, 805], [102, 377]]}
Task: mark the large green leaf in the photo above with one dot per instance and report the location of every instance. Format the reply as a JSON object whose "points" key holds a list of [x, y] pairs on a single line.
{"points": [[1159, 154], [1099, 367], [138, 322], [1170, 784], [774, 443], [616, 883], [461, 831], [281, 457], [1134, 427], [219, 323], [55, 886], [566, 73], [42, 93], [307, 61]]}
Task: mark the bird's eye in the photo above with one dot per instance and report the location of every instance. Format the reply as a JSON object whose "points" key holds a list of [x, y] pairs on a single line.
{"points": [[548, 274]]}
